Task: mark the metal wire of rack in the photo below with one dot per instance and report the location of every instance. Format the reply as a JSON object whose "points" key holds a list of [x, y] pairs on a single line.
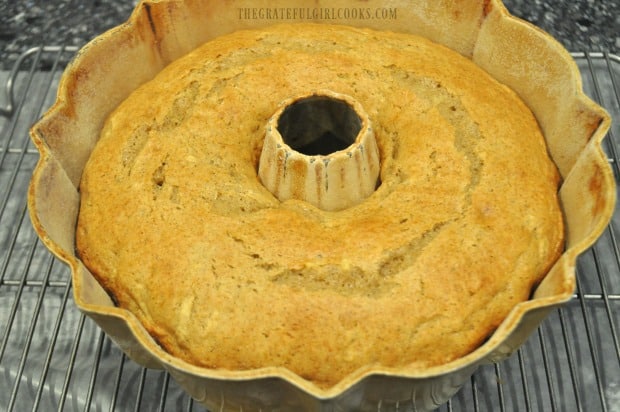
{"points": [[53, 358]]}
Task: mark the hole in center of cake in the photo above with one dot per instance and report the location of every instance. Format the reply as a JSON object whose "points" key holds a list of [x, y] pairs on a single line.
{"points": [[319, 125], [328, 124]]}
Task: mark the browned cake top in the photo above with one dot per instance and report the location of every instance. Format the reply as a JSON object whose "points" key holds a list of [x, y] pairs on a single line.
{"points": [[176, 225]]}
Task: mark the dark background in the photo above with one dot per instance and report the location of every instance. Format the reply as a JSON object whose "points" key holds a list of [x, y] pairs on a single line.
{"points": [[580, 25]]}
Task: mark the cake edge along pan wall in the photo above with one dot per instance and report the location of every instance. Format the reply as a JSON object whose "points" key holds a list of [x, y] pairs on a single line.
{"points": [[516, 53]]}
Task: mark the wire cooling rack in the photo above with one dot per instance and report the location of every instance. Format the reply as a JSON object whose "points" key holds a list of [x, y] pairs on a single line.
{"points": [[53, 358]]}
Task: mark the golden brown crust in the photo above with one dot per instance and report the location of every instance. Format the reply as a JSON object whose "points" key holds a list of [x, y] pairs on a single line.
{"points": [[175, 222]]}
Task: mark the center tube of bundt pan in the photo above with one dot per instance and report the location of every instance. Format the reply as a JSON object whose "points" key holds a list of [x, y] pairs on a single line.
{"points": [[320, 148]]}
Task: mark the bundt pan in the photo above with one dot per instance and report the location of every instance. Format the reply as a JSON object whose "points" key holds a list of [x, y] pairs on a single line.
{"points": [[519, 55]]}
